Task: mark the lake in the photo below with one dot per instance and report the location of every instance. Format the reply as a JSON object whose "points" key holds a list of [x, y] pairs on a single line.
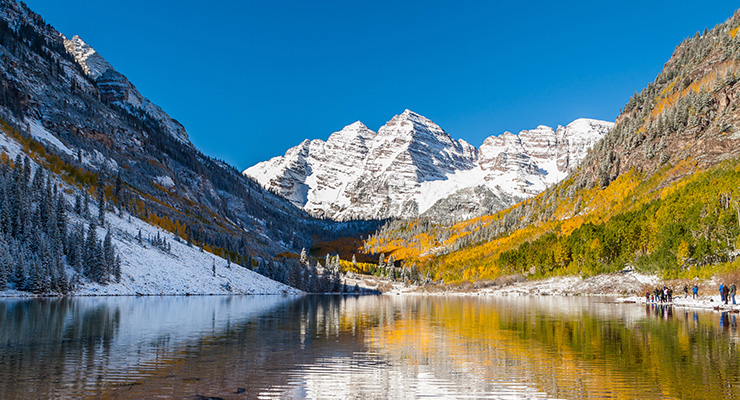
{"points": [[324, 347]]}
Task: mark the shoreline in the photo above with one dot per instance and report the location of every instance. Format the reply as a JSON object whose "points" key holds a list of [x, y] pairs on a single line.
{"points": [[624, 287]]}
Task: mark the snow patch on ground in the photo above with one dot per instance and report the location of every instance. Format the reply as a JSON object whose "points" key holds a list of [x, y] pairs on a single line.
{"points": [[97, 159], [9, 146], [165, 181], [40, 133], [432, 191]]}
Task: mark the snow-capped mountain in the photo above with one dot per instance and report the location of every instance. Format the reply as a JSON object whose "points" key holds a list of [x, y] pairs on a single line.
{"points": [[411, 166]]}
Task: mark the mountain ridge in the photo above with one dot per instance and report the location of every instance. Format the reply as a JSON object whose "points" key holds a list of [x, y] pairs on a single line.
{"points": [[411, 163]]}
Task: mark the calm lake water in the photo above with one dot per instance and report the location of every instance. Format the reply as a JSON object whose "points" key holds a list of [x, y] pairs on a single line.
{"points": [[368, 347]]}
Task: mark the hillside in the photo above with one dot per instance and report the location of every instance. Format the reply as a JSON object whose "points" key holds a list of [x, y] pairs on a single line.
{"points": [[658, 192], [73, 130]]}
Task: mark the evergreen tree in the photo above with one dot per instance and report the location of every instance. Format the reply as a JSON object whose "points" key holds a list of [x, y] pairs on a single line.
{"points": [[101, 271], [78, 204], [101, 203], [86, 205], [4, 264], [19, 270], [61, 218], [109, 253], [117, 269], [94, 259], [38, 271], [117, 188]]}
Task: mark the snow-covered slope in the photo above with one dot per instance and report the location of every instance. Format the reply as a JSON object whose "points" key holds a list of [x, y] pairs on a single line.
{"points": [[411, 166], [146, 269]]}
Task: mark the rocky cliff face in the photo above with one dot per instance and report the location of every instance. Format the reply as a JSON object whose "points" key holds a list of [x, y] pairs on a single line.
{"points": [[411, 166], [116, 88]]}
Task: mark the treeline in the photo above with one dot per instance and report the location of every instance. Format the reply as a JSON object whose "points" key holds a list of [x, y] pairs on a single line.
{"points": [[39, 251], [692, 226], [305, 274]]}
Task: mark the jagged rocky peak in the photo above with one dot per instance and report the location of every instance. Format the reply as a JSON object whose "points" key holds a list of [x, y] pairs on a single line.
{"points": [[355, 134], [418, 128], [411, 123], [91, 62], [411, 164], [412, 144]]}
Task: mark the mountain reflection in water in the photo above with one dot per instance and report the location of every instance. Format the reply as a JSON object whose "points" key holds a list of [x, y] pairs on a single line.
{"points": [[368, 347]]}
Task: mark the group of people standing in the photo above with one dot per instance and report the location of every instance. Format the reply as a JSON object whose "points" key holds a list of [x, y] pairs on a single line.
{"points": [[727, 292], [666, 294], [661, 295]]}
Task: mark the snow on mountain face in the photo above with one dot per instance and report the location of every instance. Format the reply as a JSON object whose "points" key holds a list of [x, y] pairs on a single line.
{"points": [[91, 62], [411, 166], [116, 88]]}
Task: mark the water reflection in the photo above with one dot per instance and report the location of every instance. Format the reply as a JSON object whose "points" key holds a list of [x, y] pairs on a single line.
{"points": [[367, 347]]}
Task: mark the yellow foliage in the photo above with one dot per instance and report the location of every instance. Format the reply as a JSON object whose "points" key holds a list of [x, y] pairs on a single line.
{"points": [[702, 84]]}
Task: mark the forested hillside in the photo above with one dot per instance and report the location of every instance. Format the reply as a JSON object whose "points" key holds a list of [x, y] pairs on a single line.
{"points": [[659, 192], [83, 131]]}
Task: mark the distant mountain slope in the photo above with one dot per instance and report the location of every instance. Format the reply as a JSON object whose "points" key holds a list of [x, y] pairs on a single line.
{"points": [[411, 166], [659, 192]]}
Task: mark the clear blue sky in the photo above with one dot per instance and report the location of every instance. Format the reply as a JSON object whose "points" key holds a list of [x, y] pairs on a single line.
{"points": [[249, 79]]}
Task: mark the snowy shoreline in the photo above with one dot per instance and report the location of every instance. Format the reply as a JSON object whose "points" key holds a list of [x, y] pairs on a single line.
{"points": [[624, 287], [15, 294]]}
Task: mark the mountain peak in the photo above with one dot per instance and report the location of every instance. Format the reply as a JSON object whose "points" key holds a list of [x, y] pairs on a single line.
{"points": [[409, 115], [91, 62], [355, 126], [411, 124], [410, 164]]}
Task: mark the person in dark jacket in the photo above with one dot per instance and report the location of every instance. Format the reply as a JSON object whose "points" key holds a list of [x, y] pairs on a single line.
{"points": [[686, 291], [733, 289], [725, 293]]}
